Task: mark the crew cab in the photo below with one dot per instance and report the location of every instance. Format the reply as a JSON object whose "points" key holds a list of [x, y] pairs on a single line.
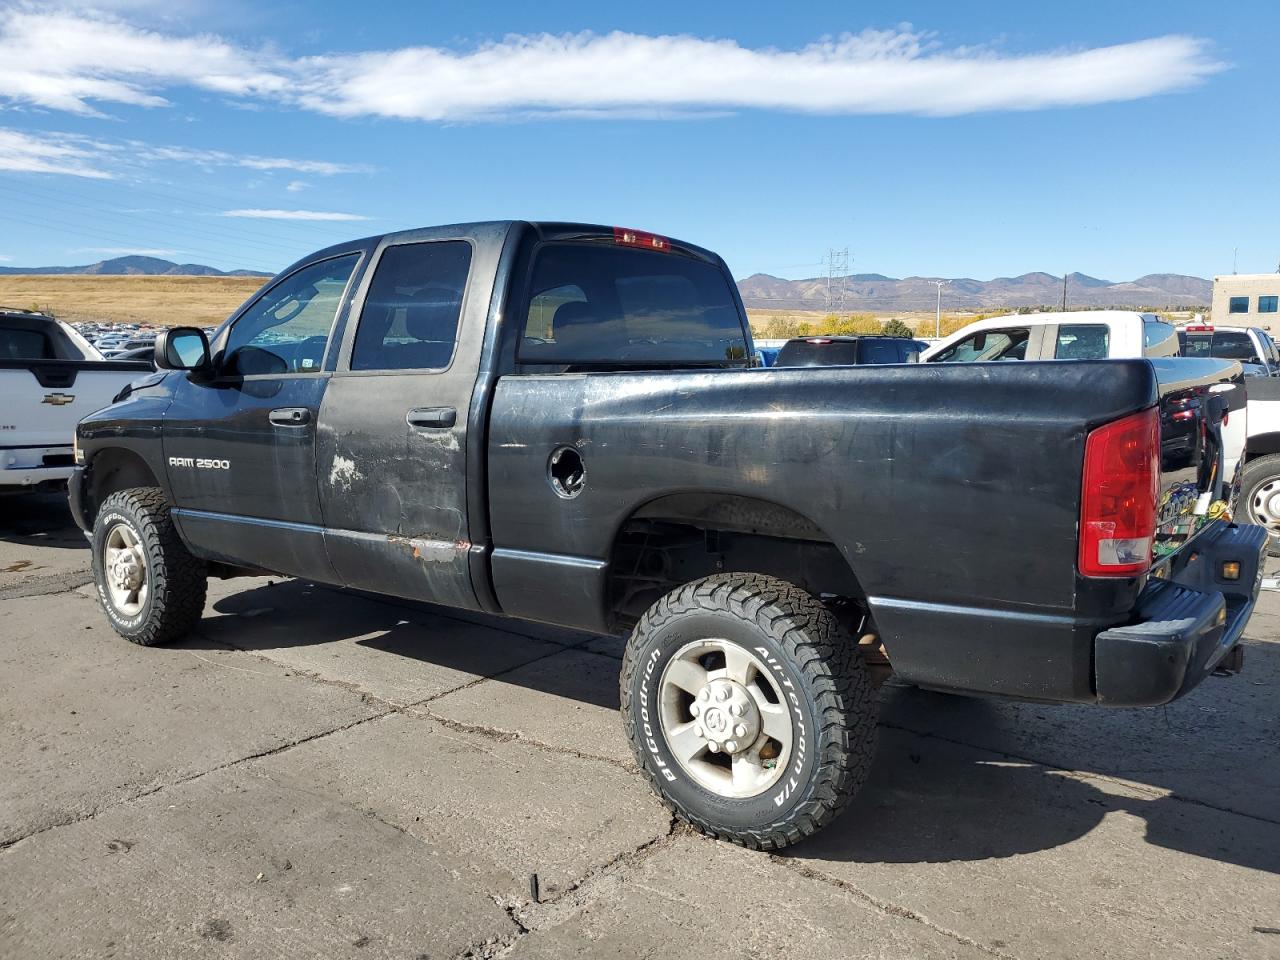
{"points": [[563, 423], [50, 377]]}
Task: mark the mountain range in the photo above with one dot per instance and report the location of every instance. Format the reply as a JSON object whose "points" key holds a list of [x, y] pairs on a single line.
{"points": [[874, 292], [135, 266]]}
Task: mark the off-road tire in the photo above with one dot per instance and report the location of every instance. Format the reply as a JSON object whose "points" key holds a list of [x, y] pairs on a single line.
{"points": [[177, 581], [1258, 472], [834, 690]]}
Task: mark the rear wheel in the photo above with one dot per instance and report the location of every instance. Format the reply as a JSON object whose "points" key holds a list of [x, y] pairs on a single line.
{"points": [[1260, 497], [748, 710], [151, 587]]}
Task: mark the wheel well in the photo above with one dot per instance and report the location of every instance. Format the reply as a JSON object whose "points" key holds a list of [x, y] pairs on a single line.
{"points": [[113, 470], [680, 538], [1261, 445]]}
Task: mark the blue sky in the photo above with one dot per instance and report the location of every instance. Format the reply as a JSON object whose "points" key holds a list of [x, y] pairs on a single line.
{"points": [[937, 139]]}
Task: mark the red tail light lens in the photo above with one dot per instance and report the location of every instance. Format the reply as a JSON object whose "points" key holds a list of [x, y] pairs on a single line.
{"points": [[638, 238], [1118, 500]]}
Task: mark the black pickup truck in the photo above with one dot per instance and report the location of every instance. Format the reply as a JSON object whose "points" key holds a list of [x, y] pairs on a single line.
{"points": [[561, 422]]}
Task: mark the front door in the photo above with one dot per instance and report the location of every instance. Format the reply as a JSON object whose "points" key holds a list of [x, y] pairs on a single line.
{"points": [[392, 447], [240, 446]]}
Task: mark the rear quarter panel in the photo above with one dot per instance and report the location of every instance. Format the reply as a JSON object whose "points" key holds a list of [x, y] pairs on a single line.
{"points": [[946, 487]]}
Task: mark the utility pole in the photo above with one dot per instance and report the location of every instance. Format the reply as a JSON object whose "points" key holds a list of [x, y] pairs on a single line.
{"points": [[937, 326], [1235, 259], [1064, 293]]}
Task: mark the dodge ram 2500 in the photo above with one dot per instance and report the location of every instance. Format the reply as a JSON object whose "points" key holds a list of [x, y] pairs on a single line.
{"points": [[561, 422]]}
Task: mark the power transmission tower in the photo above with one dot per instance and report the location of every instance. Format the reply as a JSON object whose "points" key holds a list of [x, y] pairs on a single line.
{"points": [[837, 278]]}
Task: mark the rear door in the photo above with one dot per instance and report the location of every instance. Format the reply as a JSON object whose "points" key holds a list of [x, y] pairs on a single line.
{"points": [[392, 452], [240, 447]]}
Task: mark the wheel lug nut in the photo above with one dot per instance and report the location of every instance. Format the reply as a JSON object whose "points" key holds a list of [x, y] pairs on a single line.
{"points": [[722, 695], [736, 710], [713, 746], [696, 708], [699, 731], [739, 731], [730, 746], [705, 694]]}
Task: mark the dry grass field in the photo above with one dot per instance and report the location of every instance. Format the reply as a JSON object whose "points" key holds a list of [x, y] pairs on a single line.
{"points": [[168, 301]]}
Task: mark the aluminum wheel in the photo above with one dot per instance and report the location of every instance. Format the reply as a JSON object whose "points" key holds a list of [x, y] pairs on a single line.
{"points": [[1264, 505], [725, 718], [124, 564]]}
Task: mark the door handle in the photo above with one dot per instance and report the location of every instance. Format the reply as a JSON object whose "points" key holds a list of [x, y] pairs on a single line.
{"points": [[290, 416], [432, 417]]}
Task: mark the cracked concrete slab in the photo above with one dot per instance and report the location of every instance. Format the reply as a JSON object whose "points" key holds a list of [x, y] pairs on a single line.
{"points": [[239, 864], [41, 550], [88, 719], [1041, 862], [569, 700], [506, 808], [695, 898]]}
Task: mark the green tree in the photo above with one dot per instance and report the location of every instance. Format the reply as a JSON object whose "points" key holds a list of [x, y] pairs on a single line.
{"points": [[896, 328]]}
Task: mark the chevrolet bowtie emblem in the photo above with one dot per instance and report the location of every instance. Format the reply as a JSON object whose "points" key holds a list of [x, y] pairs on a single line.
{"points": [[59, 399]]}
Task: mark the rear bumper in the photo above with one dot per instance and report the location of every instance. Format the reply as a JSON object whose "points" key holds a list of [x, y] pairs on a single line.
{"points": [[30, 467], [1187, 622]]}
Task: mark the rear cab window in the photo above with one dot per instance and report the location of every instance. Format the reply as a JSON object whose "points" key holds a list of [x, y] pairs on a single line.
{"points": [[17, 344], [595, 304], [818, 352]]}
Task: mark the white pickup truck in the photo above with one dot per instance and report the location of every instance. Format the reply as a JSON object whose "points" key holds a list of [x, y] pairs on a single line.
{"points": [[50, 377], [1114, 335]]}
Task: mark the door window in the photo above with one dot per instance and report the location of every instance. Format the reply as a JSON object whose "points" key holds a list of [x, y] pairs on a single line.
{"points": [[986, 345], [25, 345], [1082, 341], [879, 351], [287, 328], [410, 315]]}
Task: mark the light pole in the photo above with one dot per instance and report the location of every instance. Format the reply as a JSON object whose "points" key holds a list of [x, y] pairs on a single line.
{"points": [[937, 329]]}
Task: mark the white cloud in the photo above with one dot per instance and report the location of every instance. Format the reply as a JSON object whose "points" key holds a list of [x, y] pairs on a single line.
{"points": [[74, 62], [50, 153], [65, 153], [4, 259], [296, 185], [292, 215]]}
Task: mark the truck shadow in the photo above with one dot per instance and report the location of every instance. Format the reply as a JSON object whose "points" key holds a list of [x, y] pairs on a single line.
{"points": [[965, 779], [40, 520], [956, 778]]}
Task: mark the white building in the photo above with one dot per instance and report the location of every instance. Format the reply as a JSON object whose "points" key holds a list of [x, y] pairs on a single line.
{"points": [[1247, 300]]}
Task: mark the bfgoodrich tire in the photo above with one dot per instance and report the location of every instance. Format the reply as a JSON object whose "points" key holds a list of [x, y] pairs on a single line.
{"points": [[1260, 497], [152, 589], [749, 712]]}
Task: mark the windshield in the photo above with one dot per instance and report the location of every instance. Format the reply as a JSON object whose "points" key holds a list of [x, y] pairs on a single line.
{"points": [[592, 303]]}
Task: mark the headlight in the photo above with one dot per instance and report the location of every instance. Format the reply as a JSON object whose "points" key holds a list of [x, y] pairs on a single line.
{"points": [[76, 453]]}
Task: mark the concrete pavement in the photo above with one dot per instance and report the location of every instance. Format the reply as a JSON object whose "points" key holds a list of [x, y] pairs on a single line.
{"points": [[320, 773]]}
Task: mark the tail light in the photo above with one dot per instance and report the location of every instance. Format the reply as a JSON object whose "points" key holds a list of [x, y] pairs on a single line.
{"points": [[1118, 499]]}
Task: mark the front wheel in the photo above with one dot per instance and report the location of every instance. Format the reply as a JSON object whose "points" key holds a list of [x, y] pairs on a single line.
{"points": [[151, 587], [1260, 497], [749, 712]]}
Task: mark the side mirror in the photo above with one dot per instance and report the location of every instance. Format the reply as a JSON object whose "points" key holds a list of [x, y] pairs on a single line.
{"points": [[182, 348]]}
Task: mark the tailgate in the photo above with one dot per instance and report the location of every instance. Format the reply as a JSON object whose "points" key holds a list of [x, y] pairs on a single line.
{"points": [[1202, 436], [45, 399]]}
